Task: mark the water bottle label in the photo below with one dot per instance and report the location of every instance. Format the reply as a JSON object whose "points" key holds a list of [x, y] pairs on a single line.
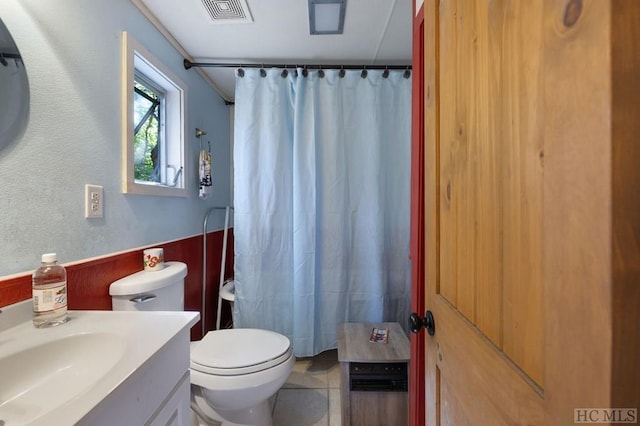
{"points": [[50, 299]]}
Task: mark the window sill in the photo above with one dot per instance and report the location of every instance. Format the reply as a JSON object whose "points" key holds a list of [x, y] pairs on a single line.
{"points": [[153, 189]]}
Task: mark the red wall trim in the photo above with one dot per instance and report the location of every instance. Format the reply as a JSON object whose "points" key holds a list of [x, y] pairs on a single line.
{"points": [[88, 282]]}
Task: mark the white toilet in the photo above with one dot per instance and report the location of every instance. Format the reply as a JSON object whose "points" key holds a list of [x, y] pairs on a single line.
{"points": [[234, 372]]}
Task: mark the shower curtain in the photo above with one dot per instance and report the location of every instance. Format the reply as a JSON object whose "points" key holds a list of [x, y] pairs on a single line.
{"points": [[321, 219]]}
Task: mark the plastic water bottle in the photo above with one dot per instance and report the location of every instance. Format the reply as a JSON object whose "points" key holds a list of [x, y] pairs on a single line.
{"points": [[49, 285]]}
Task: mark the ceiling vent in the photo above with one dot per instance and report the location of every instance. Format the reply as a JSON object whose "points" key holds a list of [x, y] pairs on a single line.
{"points": [[228, 11]]}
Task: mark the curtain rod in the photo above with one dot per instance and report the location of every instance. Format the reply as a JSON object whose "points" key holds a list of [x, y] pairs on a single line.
{"points": [[5, 56], [188, 64]]}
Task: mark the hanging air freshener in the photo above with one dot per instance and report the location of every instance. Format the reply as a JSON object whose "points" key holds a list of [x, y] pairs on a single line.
{"points": [[205, 172]]}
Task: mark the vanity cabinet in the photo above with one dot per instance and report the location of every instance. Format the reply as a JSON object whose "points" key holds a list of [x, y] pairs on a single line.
{"points": [[99, 368], [157, 393], [175, 410]]}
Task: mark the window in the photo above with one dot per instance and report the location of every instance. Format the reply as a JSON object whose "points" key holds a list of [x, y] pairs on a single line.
{"points": [[148, 123], [153, 125]]}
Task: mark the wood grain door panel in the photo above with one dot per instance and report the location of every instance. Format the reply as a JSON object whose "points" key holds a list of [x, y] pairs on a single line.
{"points": [[490, 172], [483, 157], [473, 370], [531, 199]]}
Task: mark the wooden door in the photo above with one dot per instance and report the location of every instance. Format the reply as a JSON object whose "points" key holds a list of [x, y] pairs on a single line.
{"points": [[529, 195]]}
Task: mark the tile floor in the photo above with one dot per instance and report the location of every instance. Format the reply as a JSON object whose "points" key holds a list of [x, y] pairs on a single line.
{"points": [[311, 395]]}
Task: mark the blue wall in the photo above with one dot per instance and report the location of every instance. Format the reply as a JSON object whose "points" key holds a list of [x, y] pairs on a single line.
{"points": [[72, 52]]}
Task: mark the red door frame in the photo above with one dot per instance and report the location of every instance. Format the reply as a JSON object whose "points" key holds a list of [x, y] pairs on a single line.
{"points": [[417, 363]]}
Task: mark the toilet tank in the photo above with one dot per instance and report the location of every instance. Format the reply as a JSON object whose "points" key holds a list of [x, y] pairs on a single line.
{"points": [[161, 290]]}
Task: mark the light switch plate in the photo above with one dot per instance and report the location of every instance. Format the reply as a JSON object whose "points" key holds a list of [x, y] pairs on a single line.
{"points": [[93, 202]]}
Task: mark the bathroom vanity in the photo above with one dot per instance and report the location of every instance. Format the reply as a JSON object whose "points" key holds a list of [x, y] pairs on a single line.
{"points": [[374, 380], [99, 368]]}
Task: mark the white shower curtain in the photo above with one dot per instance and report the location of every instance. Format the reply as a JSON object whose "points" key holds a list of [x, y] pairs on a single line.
{"points": [[321, 225]]}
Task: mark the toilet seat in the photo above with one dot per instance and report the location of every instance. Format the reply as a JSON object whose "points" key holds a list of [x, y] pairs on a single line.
{"points": [[239, 351]]}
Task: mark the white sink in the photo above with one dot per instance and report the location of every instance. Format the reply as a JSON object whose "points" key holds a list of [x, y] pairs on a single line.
{"points": [[41, 377], [58, 375]]}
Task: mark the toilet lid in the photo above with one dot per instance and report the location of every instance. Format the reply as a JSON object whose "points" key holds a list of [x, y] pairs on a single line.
{"points": [[239, 351]]}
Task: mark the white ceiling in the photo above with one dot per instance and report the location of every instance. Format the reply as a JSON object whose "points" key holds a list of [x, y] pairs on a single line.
{"points": [[376, 32]]}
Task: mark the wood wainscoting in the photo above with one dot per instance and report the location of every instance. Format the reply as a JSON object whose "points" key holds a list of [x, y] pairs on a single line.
{"points": [[88, 281]]}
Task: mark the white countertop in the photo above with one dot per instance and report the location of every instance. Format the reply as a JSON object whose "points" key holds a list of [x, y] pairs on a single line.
{"points": [[90, 355]]}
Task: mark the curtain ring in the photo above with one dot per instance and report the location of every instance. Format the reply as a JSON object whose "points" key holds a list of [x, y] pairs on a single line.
{"points": [[305, 72], [407, 73], [385, 73], [321, 73], [364, 73], [263, 73], [240, 72], [284, 73], [342, 72]]}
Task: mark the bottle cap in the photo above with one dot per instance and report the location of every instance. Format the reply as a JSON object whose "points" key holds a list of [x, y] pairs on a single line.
{"points": [[49, 257]]}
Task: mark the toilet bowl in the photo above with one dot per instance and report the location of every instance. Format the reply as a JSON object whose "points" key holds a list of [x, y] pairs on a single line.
{"points": [[233, 372], [236, 388]]}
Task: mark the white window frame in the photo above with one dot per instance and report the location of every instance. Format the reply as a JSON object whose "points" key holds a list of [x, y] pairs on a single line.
{"points": [[136, 57]]}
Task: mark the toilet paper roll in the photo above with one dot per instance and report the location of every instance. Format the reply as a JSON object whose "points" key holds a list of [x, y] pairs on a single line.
{"points": [[153, 259]]}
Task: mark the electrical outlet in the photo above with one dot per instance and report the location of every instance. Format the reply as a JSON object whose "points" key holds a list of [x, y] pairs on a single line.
{"points": [[93, 201]]}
